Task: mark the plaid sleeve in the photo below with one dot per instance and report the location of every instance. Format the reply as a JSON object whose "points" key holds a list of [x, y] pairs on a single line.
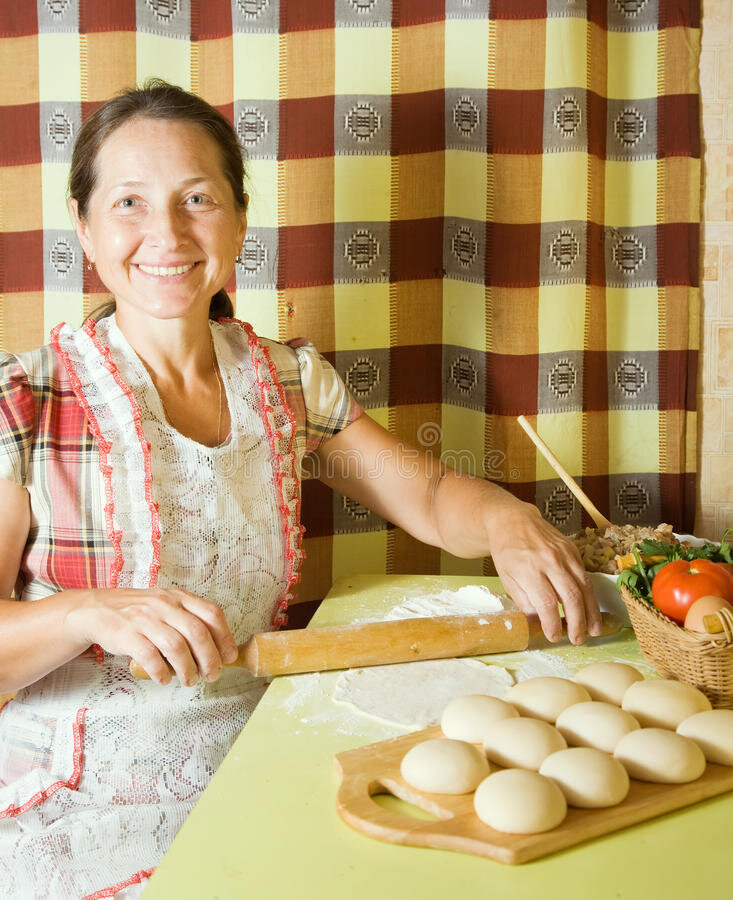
{"points": [[329, 405], [16, 420]]}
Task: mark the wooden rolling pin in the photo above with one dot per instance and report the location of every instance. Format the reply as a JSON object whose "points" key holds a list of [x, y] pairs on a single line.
{"points": [[381, 643]]}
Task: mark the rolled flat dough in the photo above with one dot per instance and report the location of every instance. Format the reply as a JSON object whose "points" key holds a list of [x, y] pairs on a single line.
{"points": [[415, 694]]}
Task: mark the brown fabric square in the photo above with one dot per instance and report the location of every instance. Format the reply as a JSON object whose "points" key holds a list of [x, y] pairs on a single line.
{"points": [[415, 374], [680, 190], [598, 488], [511, 384], [419, 426], [416, 249], [596, 253], [513, 254], [418, 122], [414, 12], [519, 466], [22, 202], [421, 59], [18, 19], [110, 63], [596, 207], [24, 146], [22, 256], [595, 452], [299, 16], [679, 79], [308, 314], [306, 255], [410, 556], [316, 571], [514, 320], [596, 336], [20, 56], [596, 109], [22, 321], [679, 251], [678, 125], [677, 328], [685, 13], [309, 188], [317, 508], [515, 121], [520, 55], [211, 19], [303, 78], [216, 67], [677, 372], [595, 380], [519, 9], [306, 127], [117, 16], [418, 312], [677, 500], [421, 185], [517, 196]]}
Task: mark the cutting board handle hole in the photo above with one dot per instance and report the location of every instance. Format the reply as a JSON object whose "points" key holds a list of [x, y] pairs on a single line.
{"points": [[397, 805]]}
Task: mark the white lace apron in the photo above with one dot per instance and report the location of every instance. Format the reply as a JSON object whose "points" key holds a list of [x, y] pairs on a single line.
{"points": [[97, 770]]}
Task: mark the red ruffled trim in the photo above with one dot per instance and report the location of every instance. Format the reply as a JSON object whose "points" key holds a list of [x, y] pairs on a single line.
{"points": [[120, 886], [71, 783], [292, 529], [109, 364]]}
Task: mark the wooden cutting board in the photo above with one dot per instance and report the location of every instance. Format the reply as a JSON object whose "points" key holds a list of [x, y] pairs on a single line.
{"points": [[375, 769]]}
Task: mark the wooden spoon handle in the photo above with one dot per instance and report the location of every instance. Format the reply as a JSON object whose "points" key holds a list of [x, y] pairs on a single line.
{"points": [[582, 498]]}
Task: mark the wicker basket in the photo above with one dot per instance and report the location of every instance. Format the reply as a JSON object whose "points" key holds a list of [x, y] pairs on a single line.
{"points": [[702, 660]]}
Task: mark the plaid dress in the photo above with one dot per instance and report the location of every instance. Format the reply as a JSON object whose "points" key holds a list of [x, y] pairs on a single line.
{"points": [[98, 770]]}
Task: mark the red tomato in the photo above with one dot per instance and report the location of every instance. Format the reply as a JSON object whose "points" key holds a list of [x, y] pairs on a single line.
{"points": [[677, 585]]}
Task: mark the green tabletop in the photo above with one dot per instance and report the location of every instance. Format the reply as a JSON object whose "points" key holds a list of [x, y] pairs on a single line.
{"points": [[267, 828]]}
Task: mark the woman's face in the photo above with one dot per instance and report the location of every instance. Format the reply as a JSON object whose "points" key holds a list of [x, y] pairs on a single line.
{"points": [[162, 226]]}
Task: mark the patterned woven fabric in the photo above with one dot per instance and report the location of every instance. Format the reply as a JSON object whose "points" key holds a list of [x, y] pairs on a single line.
{"points": [[474, 209]]}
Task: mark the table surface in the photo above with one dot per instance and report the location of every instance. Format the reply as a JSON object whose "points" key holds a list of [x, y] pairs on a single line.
{"points": [[267, 828]]}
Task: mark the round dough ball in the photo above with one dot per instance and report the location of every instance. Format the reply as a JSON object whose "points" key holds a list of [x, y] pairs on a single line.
{"points": [[443, 766], [519, 802], [595, 724], [522, 743], [607, 681], [663, 703], [590, 779], [660, 755], [545, 697], [712, 731], [470, 718]]}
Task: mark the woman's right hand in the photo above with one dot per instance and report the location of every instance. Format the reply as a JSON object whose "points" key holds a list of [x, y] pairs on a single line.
{"points": [[153, 626]]}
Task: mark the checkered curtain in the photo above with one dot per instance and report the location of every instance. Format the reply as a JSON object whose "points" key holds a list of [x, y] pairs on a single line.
{"points": [[474, 209]]}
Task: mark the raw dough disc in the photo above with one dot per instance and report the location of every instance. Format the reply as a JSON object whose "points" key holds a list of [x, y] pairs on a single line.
{"points": [[589, 779], [663, 703], [443, 766], [595, 724], [415, 694], [519, 802], [470, 718], [660, 755], [522, 743], [607, 681], [712, 731], [545, 697]]}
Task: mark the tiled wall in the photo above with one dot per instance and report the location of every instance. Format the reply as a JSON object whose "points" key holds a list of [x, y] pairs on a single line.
{"points": [[715, 386]]}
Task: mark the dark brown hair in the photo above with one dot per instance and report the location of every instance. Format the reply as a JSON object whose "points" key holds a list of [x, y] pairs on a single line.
{"points": [[156, 99]]}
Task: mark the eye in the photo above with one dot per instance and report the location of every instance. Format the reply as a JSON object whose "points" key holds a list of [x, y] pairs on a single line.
{"points": [[198, 199], [127, 203]]}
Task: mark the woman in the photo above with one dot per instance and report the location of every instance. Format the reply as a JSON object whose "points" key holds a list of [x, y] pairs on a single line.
{"points": [[149, 493]]}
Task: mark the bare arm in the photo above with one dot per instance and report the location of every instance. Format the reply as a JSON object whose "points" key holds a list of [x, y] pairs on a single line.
{"points": [[468, 517]]}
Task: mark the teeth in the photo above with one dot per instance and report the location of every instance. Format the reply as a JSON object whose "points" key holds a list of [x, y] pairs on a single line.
{"points": [[166, 270]]}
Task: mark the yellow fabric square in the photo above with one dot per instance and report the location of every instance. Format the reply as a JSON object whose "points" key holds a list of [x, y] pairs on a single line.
{"points": [[465, 184], [261, 185], [454, 565], [61, 306], [361, 188], [361, 316], [561, 316], [566, 50], [467, 54], [363, 63], [464, 314], [631, 193], [164, 57], [633, 440], [564, 187], [632, 64], [357, 554], [259, 308], [561, 432], [632, 318], [463, 440], [255, 65], [54, 177], [59, 67], [380, 416]]}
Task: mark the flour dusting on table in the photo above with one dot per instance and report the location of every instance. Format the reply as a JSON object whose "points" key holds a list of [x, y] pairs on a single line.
{"points": [[470, 600]]}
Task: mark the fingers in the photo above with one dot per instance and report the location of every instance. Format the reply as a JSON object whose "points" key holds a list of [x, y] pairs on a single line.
{"points": [[536, 597], [213, 616]]}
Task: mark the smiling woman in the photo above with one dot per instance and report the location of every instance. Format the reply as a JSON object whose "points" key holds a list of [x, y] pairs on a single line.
{"points": [[149, 507]]}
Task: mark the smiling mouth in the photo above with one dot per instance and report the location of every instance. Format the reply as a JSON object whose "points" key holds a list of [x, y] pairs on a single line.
{"points": [[166, 271]]}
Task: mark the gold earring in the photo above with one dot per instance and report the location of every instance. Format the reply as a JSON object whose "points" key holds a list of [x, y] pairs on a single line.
{"points": [[90, 266], [239, 259]]}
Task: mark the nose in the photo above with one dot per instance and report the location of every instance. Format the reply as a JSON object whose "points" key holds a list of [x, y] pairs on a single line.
{"points": [[166, 227]]}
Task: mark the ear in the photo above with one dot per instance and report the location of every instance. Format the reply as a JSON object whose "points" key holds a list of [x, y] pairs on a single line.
{"points": [[82, 230]]}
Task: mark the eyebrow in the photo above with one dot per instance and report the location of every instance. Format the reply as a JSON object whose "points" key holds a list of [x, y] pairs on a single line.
{"points": [[134, 182]]}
